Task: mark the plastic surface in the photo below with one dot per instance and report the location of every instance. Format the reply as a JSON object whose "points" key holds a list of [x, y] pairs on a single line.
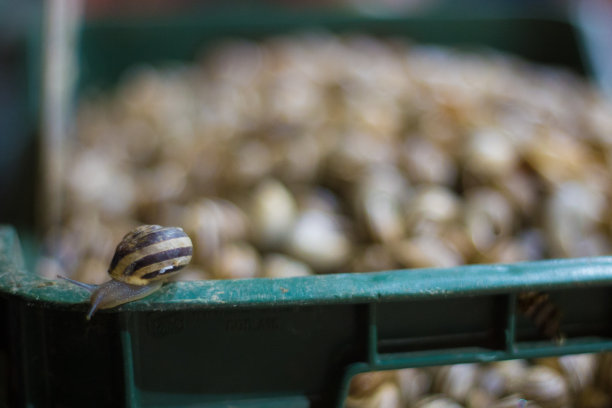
{"points": [[293, 342]]}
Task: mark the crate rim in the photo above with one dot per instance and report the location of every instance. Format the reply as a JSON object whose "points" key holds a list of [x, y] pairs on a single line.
{"points": [[341, 288]]}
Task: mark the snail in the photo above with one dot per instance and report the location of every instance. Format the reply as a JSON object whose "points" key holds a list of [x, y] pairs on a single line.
{"points": [[143, 260], [544, 313]]}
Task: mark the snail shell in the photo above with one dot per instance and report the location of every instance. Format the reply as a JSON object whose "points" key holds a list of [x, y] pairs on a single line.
{"points": [[455, 381], [145, 257], [149, 253], [414, 383], [578, 369], [544, 313], [546, 387], [281, 266], [366, 384], [386, 395], [436, 401]]}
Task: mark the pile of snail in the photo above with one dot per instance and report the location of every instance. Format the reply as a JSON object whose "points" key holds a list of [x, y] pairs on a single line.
{"points": [[315, 153], [568, 381]]}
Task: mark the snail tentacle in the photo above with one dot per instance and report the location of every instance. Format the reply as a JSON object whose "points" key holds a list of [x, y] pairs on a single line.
{"points": [[87, 286]]}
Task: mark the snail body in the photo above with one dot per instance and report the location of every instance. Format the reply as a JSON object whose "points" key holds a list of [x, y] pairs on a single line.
{"points": [[143, 260]]}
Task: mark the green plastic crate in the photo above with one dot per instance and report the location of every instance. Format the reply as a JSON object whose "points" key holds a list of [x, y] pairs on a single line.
{"points": [[293, 342]]}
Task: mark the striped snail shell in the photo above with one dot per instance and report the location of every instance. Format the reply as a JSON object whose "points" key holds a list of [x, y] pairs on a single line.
{"points": [[143, 260], [545, 314]]}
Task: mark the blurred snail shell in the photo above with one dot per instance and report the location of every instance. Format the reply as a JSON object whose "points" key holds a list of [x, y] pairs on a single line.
{"points": [[319, 239], [425, 252], [237, 260], [386, 395], [479, 398], [493, 381], [490, 153], [414, 383], [455, 381], [375, 257], [546, 387], [145, 257], [366, 384], [276, 265], [577, 369], [514, 401], [273, 212], [544, 313], [436, 401]]}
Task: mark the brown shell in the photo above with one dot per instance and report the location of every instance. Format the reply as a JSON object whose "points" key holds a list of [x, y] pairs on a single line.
{"points": [[546, 387], [149, 253]]}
